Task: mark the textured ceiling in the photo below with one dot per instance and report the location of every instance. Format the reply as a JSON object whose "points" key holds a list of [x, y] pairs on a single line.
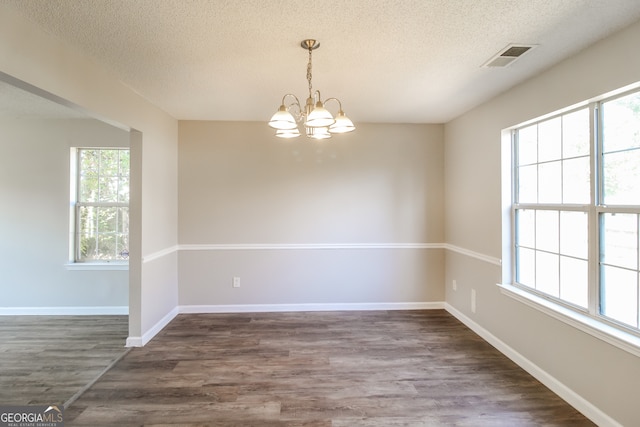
{"points": [[416, 61]]}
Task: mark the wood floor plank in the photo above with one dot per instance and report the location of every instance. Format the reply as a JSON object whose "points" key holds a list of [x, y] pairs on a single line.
{"points": [[45, 360], [356, 369]]}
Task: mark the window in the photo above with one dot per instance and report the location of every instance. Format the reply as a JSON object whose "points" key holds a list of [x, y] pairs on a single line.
{"points": [[101, 205], [576, 210]]}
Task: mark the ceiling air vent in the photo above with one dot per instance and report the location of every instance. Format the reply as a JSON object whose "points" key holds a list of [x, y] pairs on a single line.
{"points": [[508, 55]]}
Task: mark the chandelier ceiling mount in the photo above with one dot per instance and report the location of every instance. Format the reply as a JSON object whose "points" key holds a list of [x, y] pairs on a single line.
{"points": [[310, 44]]}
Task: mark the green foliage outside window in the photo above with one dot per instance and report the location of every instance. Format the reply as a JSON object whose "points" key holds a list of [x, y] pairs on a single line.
{"points": [[103, 205]]}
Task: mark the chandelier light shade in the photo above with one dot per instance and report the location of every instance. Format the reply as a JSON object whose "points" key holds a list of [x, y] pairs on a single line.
{"points": [[288, 133], [283, 120], [317, 121], [342, 124], [318, 133], [319, 117]]}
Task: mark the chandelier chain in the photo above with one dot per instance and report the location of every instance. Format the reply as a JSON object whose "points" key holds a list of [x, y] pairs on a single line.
{"points": [[309, 74]]}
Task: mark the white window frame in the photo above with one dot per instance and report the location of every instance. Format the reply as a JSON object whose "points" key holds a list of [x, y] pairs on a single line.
{"points": [[75, 263], [560, 207], [586, 319]]}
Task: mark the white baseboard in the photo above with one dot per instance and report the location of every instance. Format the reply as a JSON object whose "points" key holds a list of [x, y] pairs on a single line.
{"points": [[133, 342], [264, 308], [574, 399], [153, 331], [64, 311]]}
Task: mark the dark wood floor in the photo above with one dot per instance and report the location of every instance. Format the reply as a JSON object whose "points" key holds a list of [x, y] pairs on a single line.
{"points": [[47, 360], [339, 369]]}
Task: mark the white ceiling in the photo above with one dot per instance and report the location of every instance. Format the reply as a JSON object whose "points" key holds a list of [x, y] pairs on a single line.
{"points": [[415, 61]]}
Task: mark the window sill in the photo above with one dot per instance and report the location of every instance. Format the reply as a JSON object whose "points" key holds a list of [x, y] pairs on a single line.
{"points": [[623, 340], [97, 266]]}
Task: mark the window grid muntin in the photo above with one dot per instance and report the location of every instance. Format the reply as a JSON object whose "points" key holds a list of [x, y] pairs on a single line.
{"points": [[537, 250], [594, 209], [122, 172], [516, 154]]}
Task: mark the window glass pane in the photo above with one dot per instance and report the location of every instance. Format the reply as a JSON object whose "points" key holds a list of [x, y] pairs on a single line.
{"points": [[547, 231], [526, 227], [108, 189], [547, 273], [90, 161], [621, 123], [87, 232], [528, 184], [574, 281], [549, 140], [575, 181], [526, 267], [103, 233], [619, 244], [89, 187], [122, 249], [124, 161], [106, 246], [88, 245], [88, 219], [106, 233], [528, 145], [621, 172], [103, 177], [619, 289], [123, 189], [107, 219], [576, 134], [109, 162], [123, 220], [574, 232], [550, 177]]}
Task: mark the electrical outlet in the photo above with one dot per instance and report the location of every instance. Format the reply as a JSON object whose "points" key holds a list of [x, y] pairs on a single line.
{"points": [[473, 300], [455, 285], [236, 282]]}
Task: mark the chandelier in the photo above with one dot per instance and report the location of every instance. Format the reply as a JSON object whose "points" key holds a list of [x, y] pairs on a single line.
{"points": [[317, 120]]}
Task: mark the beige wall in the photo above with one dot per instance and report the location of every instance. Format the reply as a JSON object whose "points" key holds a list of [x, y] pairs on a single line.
{"points": [[603, 375], [382, 184], [37, 61], [34, 219], [239, 185]]}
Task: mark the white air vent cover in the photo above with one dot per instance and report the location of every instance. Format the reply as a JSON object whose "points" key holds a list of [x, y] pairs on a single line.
{"points": [[508, 55]]}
